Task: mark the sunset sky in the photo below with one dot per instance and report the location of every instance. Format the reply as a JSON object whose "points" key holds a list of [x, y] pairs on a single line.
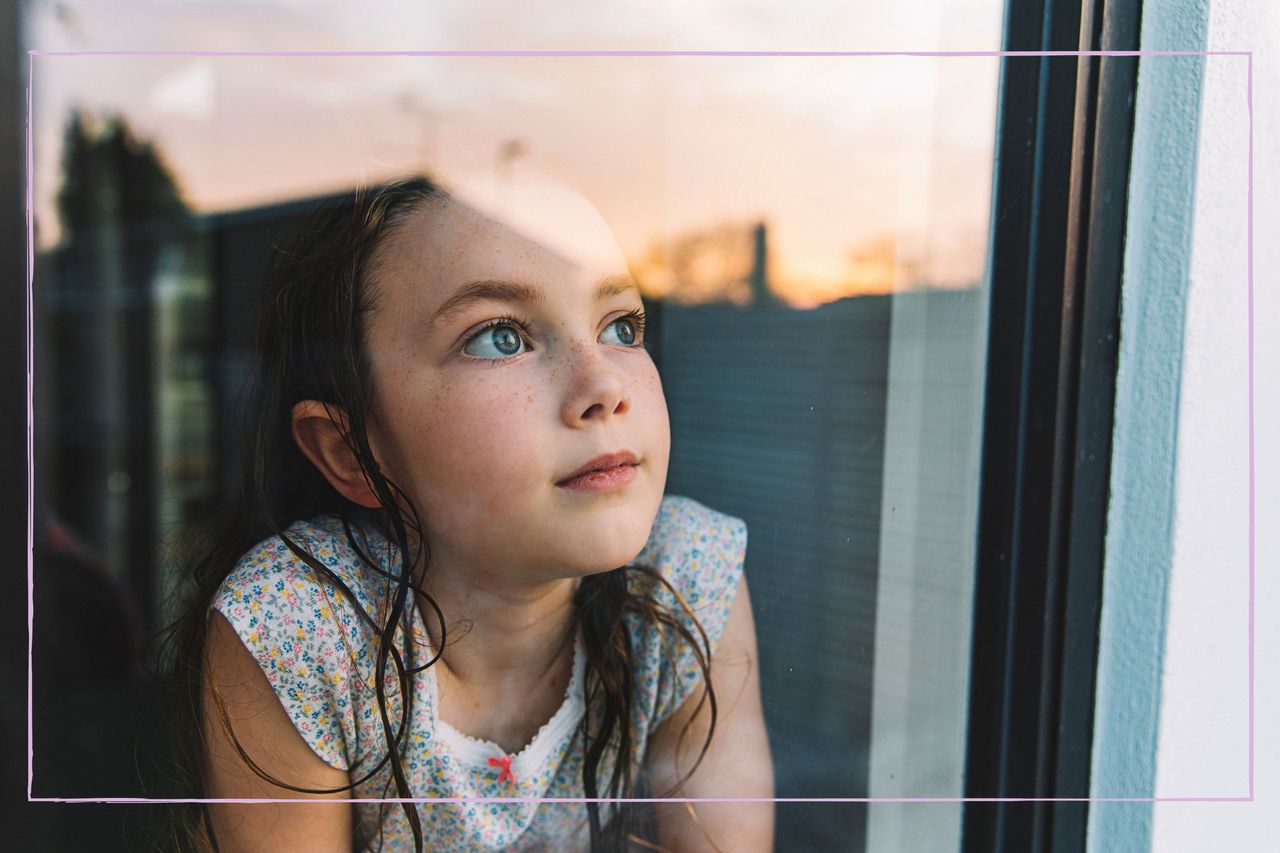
{"points": [[871, 172]]}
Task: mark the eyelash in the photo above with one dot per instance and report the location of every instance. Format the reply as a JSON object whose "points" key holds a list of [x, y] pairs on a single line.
{"points": [[636, 316]]}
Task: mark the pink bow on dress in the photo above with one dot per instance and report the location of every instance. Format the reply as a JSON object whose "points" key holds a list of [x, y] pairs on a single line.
{"points": [[505, 763]]}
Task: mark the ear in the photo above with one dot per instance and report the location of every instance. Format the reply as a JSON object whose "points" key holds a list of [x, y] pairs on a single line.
{"points": [[318, 431]]}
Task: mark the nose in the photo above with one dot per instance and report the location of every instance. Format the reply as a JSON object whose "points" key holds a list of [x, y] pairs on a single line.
{"points": [[596, 391]]}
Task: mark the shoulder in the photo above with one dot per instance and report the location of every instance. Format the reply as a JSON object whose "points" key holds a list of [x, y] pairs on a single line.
{"points": [[698, 550], [303, 624], [699, 553], [274, 573]]}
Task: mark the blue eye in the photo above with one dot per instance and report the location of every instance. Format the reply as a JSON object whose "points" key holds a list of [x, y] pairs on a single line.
{"points": [[501, 340], [630, 328], [504, 338]]}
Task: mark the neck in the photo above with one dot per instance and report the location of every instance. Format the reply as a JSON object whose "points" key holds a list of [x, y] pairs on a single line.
{"points": [[501, 638]]}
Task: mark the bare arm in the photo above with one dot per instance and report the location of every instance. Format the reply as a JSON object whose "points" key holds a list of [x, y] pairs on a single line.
{"points": [[265, 732], [737, 763]]}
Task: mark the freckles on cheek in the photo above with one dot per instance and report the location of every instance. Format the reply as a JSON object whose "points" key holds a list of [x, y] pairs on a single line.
{"points": [[493, 426], [652, 385]]}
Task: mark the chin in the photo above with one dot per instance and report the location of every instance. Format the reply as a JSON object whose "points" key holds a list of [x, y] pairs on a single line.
{"points": [[615, 539]]}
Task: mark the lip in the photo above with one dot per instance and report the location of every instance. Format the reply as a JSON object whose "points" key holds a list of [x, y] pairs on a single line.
{"points": [[609, 470]]}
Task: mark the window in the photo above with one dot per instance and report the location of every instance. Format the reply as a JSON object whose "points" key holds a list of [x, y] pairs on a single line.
{"points": [[877, 363]]}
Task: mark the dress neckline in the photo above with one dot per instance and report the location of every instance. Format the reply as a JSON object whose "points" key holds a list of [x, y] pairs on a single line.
{"points": [[546, 741], [476, 752]]}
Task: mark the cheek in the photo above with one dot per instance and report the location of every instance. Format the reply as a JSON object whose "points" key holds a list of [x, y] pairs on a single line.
{"points": [[653, 402], [470, 440]]}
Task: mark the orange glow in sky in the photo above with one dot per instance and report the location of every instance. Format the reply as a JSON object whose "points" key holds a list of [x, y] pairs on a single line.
{"points": [[870, 173]]}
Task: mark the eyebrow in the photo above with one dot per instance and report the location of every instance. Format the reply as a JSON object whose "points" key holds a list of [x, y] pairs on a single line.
{"points": [[520, 292]]}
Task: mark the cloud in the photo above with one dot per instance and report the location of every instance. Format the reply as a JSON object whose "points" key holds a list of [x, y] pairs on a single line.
{"points": [[189, 91]]}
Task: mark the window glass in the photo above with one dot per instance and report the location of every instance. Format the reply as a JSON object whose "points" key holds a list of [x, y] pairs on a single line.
{"points": [[809, 232]]}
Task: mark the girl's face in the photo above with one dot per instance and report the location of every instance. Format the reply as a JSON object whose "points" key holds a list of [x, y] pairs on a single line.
{"points": [[502, 363]]}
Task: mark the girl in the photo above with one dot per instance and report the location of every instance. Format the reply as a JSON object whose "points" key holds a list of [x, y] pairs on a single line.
{"points": [[452, 572]]}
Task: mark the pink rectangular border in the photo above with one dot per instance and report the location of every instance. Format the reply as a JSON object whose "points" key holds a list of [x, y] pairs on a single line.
{"points": [[32, 54]]}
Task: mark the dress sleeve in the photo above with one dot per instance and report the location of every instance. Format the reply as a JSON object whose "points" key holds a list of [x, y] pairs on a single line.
{"points": [[700, 552], [299, 630]]}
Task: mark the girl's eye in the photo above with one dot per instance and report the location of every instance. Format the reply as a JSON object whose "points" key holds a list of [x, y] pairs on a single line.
{"points": [[630, 328], [501, 340]]}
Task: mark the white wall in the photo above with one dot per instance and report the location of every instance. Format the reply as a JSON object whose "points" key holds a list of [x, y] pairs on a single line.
{"points": [[1203, 742]]}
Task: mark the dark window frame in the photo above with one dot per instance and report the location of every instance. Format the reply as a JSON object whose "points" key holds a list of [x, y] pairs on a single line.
{"points": [[1059, 210]]}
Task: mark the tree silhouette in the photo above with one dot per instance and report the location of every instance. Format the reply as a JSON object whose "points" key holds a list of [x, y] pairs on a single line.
{"points": [[111, 177], [119, 211]]}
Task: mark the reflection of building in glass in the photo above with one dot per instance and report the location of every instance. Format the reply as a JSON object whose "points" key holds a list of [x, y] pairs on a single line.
{"points": [[778, 416]]}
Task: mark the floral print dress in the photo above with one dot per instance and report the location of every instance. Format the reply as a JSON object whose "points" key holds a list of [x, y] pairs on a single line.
{"points": [[319, 652]]}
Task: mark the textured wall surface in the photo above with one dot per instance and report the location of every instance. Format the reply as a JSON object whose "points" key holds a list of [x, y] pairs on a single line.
{"points": [[1174, 692], [1140, 516], [1204, 743]]}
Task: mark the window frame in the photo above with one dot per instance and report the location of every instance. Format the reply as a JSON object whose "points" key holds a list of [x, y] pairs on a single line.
{"points": [[1063, 147]]}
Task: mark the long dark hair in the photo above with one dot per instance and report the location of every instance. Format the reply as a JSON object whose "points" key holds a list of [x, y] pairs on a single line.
{"points": [[310, 345]]}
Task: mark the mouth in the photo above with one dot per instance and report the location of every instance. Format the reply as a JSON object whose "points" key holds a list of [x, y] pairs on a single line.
{"points": [[604, 473]]}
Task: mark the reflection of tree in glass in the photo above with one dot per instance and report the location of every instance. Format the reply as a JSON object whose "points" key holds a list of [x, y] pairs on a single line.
{"points": [[121, 217], [735, 262], [109, 176], [874, 265], [121, 224], [713, 264]]}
